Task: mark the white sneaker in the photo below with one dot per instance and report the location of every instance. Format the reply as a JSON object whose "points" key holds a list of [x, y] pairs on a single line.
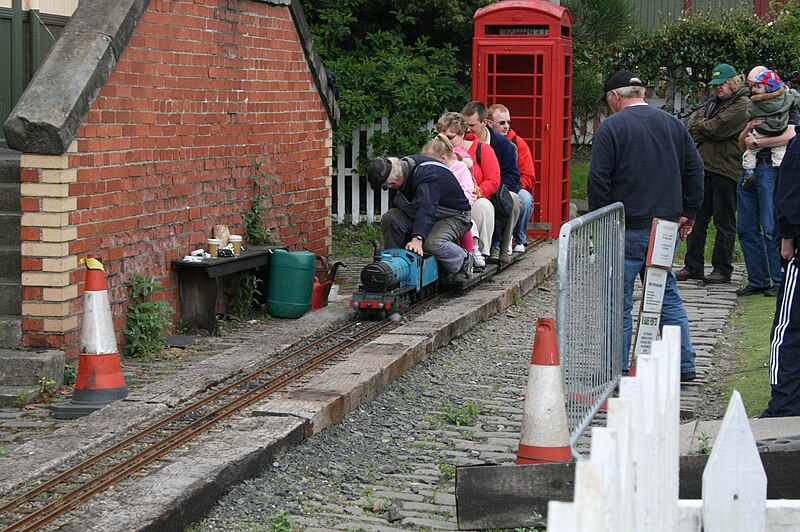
{"points": [[480, 262], [519, 248]]}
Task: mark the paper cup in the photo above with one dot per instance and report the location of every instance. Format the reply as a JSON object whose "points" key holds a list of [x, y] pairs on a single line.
{"points": [[236, 240], [213, 247]]}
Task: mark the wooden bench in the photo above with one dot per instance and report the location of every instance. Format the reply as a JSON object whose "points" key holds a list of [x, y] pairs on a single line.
{"points": [[200, 282]]}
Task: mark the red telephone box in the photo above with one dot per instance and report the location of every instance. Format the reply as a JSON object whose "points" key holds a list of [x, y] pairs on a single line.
{"points": [[522, 58]]}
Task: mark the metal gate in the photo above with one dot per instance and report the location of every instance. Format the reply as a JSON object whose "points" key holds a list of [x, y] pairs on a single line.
{"points": [[591, 254]]}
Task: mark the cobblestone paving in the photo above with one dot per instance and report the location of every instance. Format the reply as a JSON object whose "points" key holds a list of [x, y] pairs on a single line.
{"points": [[390, 464]]}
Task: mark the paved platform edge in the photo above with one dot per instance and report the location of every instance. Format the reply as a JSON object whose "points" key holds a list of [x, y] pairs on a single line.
{"points": [[182, 489]]}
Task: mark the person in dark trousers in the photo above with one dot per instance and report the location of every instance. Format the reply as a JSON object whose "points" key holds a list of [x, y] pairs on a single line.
{"points": [[715, 127], [476, 115], [784, 357], [430, 212], [646, 159], [755, 207]]}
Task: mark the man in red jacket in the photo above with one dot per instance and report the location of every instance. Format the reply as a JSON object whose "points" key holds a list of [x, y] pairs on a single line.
{"points": [[500, 121]]}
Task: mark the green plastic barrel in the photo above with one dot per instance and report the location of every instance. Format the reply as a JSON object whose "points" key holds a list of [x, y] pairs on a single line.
{"points": [[291, 283]]}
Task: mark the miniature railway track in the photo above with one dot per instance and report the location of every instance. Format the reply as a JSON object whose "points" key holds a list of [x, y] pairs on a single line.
{"points": [[52, 499]]}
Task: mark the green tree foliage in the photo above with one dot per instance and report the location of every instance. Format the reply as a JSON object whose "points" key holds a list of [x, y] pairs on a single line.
{"points": [[596, 24], [408, 60], [685, 52]]}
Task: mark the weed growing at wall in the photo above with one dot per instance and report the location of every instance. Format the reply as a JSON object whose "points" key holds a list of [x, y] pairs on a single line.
{"points": [[255, 232], [242, 292], [146, 321]]}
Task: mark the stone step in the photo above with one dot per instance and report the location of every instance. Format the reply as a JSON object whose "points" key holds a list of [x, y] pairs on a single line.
{"points": [[9, 166], [10, 331], [28, 368], [18, 395], [9, 197], [10, 261], [10, 298], [9, 227]]}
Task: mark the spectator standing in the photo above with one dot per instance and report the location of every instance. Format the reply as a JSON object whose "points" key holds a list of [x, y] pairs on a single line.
{"points": [[784, 360], [476, 116], [771, 100], [755, 222], [715, 128], [646, 159], [500, 121], [430, 211]]}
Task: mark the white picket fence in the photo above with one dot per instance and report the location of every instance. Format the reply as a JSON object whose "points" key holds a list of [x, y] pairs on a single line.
{"points": [[630, 482]]}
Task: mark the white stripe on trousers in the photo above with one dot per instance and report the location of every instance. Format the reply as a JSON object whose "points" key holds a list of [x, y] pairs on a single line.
{"points": [[784, 314]]}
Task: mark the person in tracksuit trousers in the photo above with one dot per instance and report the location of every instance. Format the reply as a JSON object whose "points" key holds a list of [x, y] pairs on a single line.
{"points": [[784, 359]]}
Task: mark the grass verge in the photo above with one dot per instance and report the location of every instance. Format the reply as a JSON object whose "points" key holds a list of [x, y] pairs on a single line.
{"points": [[753, 317]]}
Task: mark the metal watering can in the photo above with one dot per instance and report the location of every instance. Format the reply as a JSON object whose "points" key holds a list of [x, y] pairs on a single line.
{"points": [[323, 280]]}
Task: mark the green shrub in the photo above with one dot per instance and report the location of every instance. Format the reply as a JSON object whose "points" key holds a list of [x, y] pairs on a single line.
{"points": [[255, 232], [146, 321], [242, 292]]}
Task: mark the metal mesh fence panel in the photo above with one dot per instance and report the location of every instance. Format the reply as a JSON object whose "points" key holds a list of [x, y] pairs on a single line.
{"points": [[589, 304]]}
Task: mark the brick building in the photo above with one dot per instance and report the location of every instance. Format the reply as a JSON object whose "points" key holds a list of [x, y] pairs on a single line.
{"points": [[138, 134]]}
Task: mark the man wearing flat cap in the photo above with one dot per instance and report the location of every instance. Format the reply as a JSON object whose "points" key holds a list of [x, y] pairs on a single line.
{"points": [[430, 212], [646, 159]]}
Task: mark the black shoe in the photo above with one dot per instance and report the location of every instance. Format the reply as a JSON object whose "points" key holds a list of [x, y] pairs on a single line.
{"points": [[465, 273], [749, 290], [772, 292], [684, 274], [688, 376], [717, 277], [749, 180]]}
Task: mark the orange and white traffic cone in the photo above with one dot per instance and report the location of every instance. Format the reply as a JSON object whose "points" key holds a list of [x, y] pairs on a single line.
{"points": [[100, 380], [544, 434]]}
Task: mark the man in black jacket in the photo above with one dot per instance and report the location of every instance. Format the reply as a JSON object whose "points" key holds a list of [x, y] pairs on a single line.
{"points": [[784, 358], [430, 213], [646, 159]]}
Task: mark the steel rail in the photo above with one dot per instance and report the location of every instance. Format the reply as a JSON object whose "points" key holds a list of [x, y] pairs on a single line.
{"points": [[129, 466], [157, 450], [166, 421]]}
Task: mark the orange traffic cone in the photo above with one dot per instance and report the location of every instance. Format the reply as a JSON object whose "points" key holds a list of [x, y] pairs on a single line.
{"points": [[544, 434], [100, 379]]}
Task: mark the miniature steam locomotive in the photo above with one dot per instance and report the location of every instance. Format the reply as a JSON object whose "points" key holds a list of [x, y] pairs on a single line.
{"points": [[397, 278], [392, 282]]}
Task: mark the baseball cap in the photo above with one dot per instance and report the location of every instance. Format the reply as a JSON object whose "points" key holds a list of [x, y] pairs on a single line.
{"points": [[722, 73], [378, 172], [620, 79]]}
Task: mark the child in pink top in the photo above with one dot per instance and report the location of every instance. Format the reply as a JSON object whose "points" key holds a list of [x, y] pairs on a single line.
{"points": [[459, 163]]}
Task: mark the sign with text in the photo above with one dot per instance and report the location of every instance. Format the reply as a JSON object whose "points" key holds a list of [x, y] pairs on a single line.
{"points": [[663, 239]]}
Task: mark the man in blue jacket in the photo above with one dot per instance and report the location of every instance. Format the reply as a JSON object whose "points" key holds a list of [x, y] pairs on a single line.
{"points": [[476, 115], [646, 159], [784, 356], [430, 213]]}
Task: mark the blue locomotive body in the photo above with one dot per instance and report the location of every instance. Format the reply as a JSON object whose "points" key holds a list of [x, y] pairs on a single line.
{"points": [[393, 281]]}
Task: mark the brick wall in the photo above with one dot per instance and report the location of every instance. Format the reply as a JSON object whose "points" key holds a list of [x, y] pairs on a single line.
{"points": [[202, 90]]}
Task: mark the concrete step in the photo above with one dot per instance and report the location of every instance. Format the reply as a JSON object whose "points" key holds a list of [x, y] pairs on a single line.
{"points": [[9, 197], [9, 166], [9, 227], [10, 298], [10, 331], [10, 261], [18, 395], [28, 368]]}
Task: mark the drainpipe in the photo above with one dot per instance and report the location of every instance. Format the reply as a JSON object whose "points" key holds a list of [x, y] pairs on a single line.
{"points": [[17, 56]]}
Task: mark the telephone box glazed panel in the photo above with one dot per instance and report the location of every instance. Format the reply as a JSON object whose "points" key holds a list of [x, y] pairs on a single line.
{"points": [[522, 58]]}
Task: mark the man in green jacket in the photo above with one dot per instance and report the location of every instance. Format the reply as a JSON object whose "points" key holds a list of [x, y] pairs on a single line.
{"points": [[715, 127]]}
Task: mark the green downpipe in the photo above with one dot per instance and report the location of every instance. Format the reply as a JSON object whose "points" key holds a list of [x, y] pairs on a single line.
{"points": [[17, 52]]}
